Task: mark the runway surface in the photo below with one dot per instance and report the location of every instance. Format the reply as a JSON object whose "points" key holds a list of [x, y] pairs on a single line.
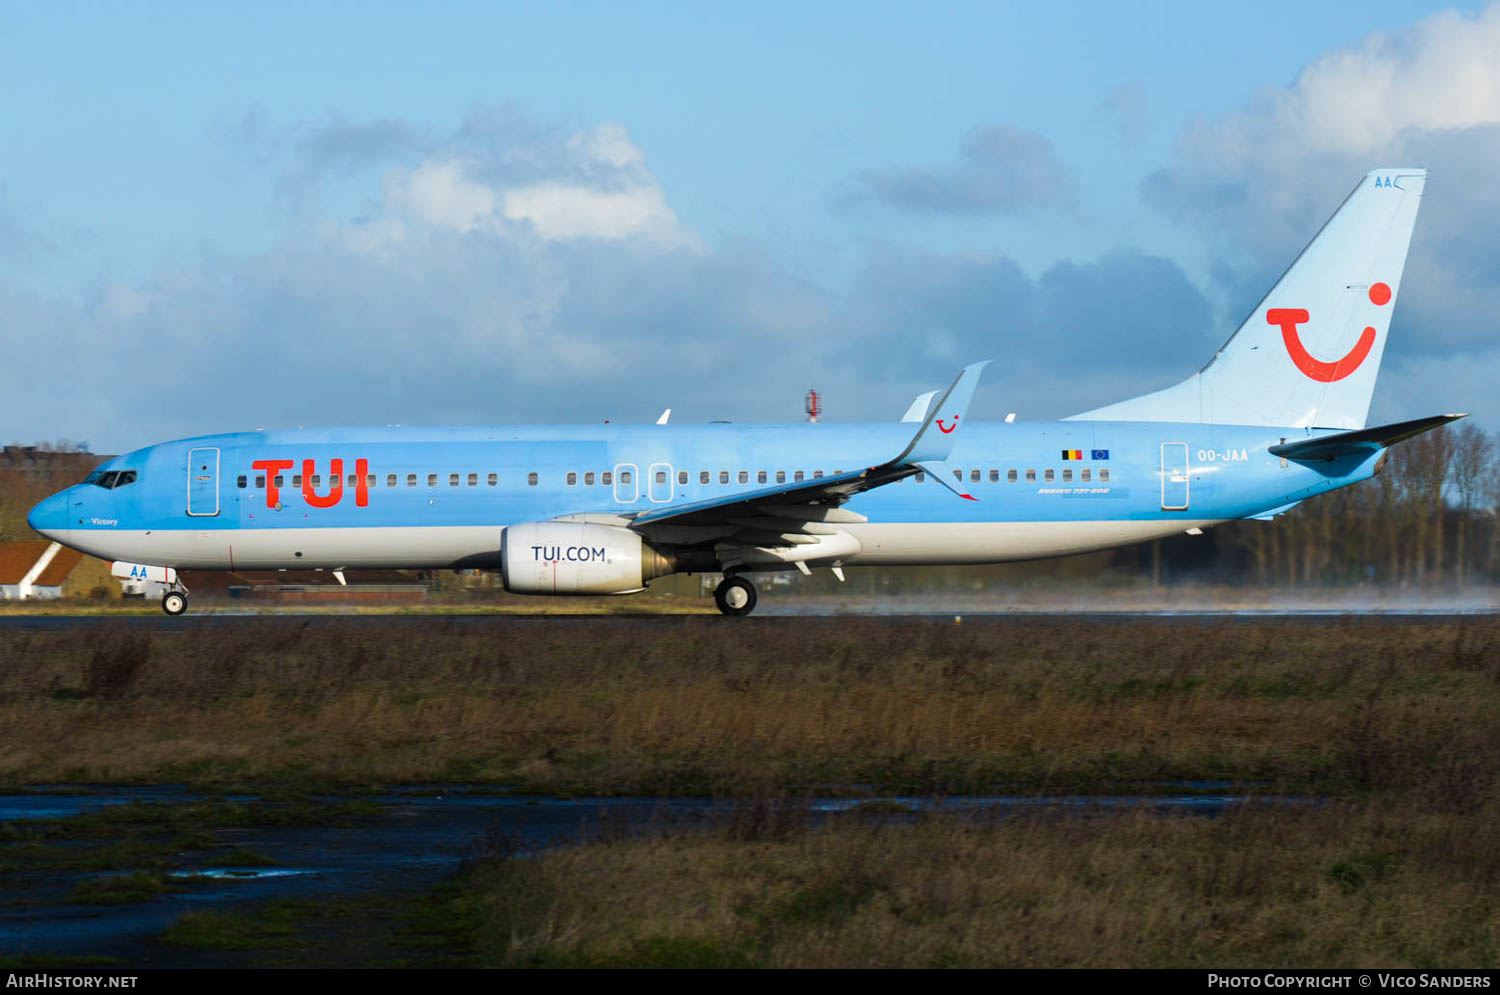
{"points": [[648, 621]]}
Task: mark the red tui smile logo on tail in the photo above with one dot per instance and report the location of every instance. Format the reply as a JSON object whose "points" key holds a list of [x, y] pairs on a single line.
{"points": [[945, 429], [1288, 318]]}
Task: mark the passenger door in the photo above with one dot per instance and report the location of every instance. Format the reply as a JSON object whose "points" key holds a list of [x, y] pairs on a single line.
{"points": [[203, 482], [1174, 476]]}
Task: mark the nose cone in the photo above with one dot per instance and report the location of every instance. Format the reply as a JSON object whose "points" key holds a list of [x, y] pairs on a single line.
{"points": [[50, 517]]}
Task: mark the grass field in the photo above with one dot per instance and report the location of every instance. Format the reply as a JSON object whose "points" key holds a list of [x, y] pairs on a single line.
{"points": [[1388, 731], [1302, 886], [700, 706]]}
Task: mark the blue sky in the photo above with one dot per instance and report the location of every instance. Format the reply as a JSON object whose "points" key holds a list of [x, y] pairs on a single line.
{"points": [[346, 213]]}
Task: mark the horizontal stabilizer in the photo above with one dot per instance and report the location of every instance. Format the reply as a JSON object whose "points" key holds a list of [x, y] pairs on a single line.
{"points": [[1361, 441]]}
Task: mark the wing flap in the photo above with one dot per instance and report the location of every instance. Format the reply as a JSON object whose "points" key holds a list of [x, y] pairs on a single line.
{"points": [[833, 489]]}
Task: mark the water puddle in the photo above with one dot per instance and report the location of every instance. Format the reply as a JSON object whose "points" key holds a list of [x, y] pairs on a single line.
{"points": [[238, 874], [412, 840]]}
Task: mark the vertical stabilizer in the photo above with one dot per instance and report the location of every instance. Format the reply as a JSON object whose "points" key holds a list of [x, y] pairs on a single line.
{"points": [[1309, 352]]}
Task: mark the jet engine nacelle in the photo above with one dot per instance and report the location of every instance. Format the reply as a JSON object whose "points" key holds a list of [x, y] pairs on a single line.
{"points": [[577, 558]]}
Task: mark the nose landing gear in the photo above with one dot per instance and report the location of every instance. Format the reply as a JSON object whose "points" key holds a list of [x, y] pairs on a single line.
{"points": [[735, 596], [175, 601]]}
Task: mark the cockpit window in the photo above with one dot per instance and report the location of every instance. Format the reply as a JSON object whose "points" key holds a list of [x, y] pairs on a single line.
{"points": [[109, 479]]}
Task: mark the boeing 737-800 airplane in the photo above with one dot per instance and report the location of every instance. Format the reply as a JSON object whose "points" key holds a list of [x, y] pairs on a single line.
{"points": [[1276, 417]]}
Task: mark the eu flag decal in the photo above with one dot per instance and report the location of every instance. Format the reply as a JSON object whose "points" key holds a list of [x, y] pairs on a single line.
{"points": [[1100, 454], [1072, 454]]}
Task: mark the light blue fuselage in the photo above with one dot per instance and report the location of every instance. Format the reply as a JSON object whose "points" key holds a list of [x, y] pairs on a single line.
{"points": [[1030, 500]]}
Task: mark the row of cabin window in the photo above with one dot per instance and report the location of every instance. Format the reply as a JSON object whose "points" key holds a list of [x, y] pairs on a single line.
{"points": [[353, 480], [1011, 476], [606, 478], [704, 477]]}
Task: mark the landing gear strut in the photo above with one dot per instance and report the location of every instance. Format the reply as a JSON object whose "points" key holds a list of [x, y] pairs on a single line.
{"points": [[175, 602], [735, 596]]}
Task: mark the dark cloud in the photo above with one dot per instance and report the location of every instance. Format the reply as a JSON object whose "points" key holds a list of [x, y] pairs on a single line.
{"points": [[1452, 275], [999, 170], [395, 320], [344, 147], [1080, 335], [1259, 181], [441, 327], [306, 157]]}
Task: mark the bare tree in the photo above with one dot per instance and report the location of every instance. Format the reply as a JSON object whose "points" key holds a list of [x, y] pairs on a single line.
{"points": [[1473, 454]]}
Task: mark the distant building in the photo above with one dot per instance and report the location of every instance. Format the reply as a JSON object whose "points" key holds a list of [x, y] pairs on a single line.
{"points": [[43, 570]]}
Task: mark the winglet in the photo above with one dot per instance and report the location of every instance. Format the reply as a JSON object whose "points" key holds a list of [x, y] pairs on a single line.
{"points": [[934, 440], [665, 415], [918, 409]]}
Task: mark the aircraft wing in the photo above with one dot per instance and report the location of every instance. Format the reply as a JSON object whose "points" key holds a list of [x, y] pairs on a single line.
{"points": [[794, 514], [821, 492]]}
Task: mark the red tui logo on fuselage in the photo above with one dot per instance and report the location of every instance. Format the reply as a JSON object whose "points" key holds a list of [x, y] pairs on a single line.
{"points": [[360, 481]]}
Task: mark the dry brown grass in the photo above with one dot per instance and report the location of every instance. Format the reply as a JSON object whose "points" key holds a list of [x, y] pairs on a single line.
{"points": [[1304, 886], [673, 705]]}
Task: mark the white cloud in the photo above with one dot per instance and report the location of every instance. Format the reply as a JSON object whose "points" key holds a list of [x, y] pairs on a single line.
{"points": [[610, 144], [440, 193], [1366, 101], [566, 211], [378, 237], [506, 272], [603, 192]]}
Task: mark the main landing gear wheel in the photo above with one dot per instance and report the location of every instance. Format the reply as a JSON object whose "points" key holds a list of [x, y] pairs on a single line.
{"points": [[174, 603], [735, 596]]}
